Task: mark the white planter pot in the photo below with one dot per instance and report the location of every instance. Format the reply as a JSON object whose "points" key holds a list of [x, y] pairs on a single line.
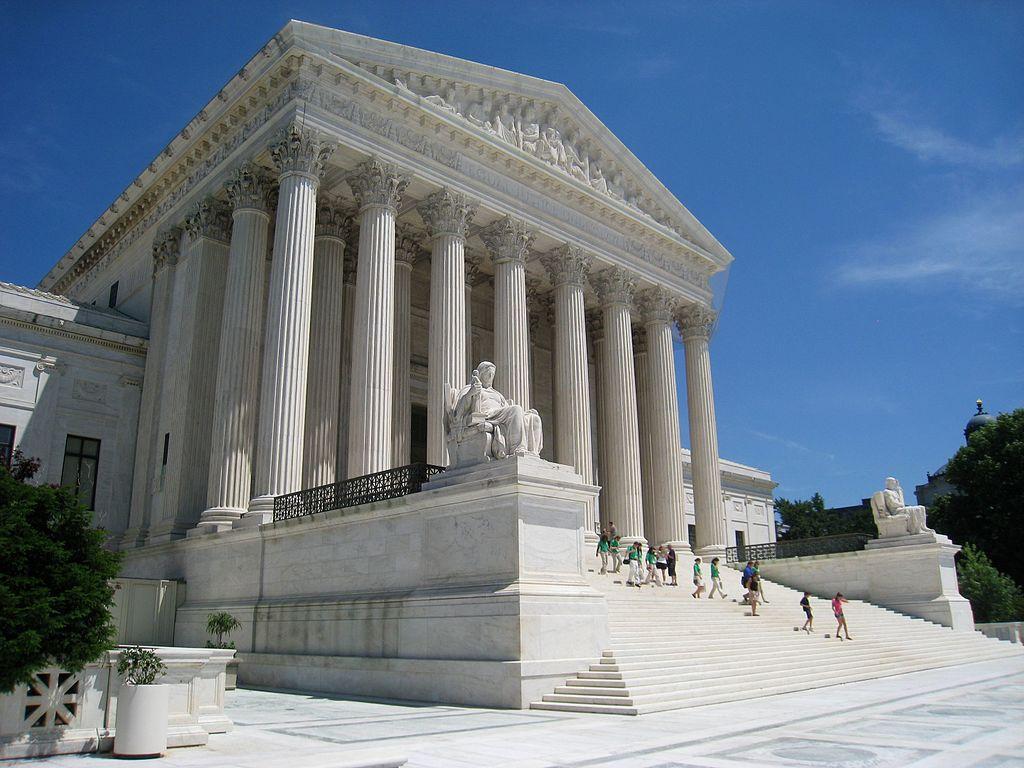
{"points": [[140, 728]]}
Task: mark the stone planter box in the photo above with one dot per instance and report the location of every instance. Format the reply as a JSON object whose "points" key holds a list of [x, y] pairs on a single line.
{"points": [[64, 713]]}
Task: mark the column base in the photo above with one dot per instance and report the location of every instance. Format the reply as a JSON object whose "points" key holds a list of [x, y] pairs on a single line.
{"points": [[707, 553], [681, 547], [216, 520], [260, 512]]}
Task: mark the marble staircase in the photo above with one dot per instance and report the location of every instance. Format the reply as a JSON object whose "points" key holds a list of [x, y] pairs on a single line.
{"points": [[670, 651]]}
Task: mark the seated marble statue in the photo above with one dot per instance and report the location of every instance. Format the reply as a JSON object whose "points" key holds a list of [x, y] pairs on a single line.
{"points": [[892, 516], [482, 425]]}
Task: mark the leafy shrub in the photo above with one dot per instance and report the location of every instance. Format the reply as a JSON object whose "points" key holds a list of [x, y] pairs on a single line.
{"points": [[139, 666], [994, 596], [220, 624]]}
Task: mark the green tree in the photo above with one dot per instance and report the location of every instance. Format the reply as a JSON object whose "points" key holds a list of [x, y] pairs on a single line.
{"points": [[985, 510], [807, 519], [55, 592], [993, 595]]}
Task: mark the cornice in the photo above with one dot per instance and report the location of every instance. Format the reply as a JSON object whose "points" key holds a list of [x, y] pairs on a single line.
{"points": [[302, 77], [139, 348]]}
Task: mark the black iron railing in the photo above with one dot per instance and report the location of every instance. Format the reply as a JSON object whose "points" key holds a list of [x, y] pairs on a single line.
{"points": [[389, 484], [819, 545]]}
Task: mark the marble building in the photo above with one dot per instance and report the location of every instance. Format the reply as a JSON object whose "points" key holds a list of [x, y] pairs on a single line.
{"points": [[344, 231]]}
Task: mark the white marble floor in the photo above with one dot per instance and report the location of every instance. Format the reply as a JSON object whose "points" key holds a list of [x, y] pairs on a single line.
{"points": [[969, 716]]}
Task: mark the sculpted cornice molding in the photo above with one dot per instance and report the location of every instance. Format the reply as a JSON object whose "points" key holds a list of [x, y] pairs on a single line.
{"points": [[696, 322], [568, 265], [447, 212], [507, 239], [209, 218], [376, 182]]}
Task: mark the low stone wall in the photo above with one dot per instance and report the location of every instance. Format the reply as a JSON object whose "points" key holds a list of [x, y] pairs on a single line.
{"points": [[1011, 631], [914, 575], [64, 713], [469, 592]]}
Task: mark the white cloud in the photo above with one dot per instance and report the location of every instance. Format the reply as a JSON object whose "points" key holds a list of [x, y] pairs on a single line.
{"points": [[930, 144], [793, 445], [978, 246]]}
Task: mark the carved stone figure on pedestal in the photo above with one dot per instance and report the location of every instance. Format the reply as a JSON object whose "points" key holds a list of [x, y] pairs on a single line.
{"points": [[892, 516], [481, 424]]}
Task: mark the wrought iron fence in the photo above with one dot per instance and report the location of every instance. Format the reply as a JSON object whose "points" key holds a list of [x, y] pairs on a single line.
{"points": [[819, 545], [389, 484]]}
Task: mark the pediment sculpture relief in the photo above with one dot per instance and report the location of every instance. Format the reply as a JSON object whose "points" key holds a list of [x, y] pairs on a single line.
{"points": [[482, 425]]}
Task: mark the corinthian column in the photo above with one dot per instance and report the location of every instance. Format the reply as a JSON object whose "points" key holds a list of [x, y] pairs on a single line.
{"points": [[568, 267], [344, 395], [644, 430], [696, 323], [447, 215], [407, 249], [300, 157], [668, 491], [233, 440], [378, 187], [474, 277], [508, 240], [320, 447], [166, 247], [621, 477], [596, 331]]}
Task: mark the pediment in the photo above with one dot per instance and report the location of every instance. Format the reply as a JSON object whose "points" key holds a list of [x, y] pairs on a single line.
{"points": [[537, 117]]}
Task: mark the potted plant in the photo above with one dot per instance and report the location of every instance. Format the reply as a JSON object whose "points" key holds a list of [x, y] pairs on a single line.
{"points": [[141, 720], [220, 624]]}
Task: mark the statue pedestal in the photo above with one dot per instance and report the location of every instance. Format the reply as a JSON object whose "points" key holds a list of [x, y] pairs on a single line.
{"points": [[916, 575]]}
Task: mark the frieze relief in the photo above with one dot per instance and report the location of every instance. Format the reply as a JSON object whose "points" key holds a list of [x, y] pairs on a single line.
{"points": [[12, 376], [89, 391]]}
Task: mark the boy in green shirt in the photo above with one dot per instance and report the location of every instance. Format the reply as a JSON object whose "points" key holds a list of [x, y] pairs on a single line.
{"points": [[716, 581]]}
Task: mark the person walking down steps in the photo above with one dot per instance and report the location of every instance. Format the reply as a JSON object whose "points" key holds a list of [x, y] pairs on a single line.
{"points": [[716, 581], [805, 603], [634, 557], [670, 558], [613, 548], [748, 571], [754, 592], [698, 579], [760, 584], [602, 552], [837, 609]]}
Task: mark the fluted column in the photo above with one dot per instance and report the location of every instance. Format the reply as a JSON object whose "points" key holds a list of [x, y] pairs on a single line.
{"points": [[696, 324], [596, 330], [669, 493], [447, 215], [233, 437], [166, 247], [622, 478], [300, 156], [407, 249], [568, 268], [378, 187], [508, 240], [345, 391], [320, 445], [644, 431], [474, 276]]}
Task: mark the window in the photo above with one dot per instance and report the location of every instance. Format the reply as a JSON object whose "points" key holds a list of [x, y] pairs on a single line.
{"points": [[81, 462], [740, 546], [418, 443], [6, 444], [112, 299], [691, 532]]}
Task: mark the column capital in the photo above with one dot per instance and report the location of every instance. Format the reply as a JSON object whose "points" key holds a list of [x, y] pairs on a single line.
{"points": [[567, 265], [639, 340], [407, 245], [351, 255], [595, 326], [656, 305], [165, 248], [376, 182], [332, 220], [507, 239], [696, 322], [447, 212], [301, 151], [474, 275], [614, 286], [209, 218], [539, 304], [249, 187]]}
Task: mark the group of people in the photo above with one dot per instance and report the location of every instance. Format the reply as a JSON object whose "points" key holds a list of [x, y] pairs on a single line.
{"points": [[658, 565]]}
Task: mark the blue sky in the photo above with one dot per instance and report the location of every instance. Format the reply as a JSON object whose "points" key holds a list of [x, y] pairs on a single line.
{"points": [[864, 163]]}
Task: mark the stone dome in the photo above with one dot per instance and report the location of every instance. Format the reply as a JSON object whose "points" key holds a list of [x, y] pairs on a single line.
{"points": [[977, 421]]}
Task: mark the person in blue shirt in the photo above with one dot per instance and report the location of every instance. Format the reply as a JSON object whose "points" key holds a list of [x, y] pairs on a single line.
{"points": [[745, 580]]}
